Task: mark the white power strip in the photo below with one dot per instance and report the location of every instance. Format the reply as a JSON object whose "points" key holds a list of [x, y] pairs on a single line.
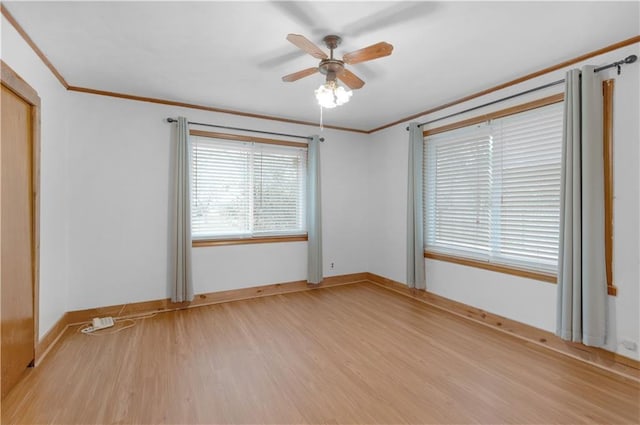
{"points": [[99, 323]]}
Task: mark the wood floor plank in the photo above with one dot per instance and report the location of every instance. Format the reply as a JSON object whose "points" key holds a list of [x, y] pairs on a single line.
{"points": [[349, 354]]}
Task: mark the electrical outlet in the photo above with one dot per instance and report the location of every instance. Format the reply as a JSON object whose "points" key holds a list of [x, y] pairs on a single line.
{"points": [[629, 345], [332, 264]]}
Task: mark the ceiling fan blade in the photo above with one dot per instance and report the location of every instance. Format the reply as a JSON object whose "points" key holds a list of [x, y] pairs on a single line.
{"points": [[399, 13], [303, 14], [274, 59], [350, 79], [303, 43], [300, 74], [374, 51]]}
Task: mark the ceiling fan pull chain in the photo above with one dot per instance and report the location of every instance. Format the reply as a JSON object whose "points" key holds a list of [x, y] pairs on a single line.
{"points": [[321, 126]]}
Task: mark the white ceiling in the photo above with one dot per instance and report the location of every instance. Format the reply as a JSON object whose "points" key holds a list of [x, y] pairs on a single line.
{"points": [[232, 55]]}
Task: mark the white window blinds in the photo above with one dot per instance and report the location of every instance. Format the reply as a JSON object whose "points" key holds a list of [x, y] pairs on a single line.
{"points": [[246, 189], [492, 191]]}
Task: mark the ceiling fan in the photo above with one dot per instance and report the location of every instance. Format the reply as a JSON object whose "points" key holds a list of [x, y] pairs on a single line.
{"points": [[335, 68]]}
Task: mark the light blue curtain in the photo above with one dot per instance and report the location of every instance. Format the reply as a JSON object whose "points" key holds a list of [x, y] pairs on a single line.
{"points": [[582, 285], [182, 288], [415, 230], [314, 213]]}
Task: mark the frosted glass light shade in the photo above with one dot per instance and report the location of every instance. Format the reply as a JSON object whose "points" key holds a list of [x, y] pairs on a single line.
{"points": [[330, 95]]}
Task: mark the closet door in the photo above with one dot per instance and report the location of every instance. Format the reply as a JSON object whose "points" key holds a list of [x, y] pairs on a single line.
{"points": [[17, 242]]}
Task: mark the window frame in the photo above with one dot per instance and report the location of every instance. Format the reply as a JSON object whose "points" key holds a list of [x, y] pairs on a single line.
{"points": [[607, 93], [486, 265], [207, 242]]}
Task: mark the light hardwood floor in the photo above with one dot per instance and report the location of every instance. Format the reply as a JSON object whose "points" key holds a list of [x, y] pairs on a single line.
{"points": [[349, 354]]}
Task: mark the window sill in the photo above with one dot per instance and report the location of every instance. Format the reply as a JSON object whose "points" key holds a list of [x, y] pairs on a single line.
{"points": [[242, 241], [545, 277]]}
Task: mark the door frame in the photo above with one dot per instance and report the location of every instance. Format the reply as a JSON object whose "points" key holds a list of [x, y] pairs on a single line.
{"points": [[11, 80]]}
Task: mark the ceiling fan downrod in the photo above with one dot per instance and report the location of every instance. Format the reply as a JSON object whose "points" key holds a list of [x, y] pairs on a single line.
{"points": [[331, 67]]}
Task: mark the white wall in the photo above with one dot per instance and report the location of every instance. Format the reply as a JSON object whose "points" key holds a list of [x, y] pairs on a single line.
{"points": [[105, 207], [521, 299], [53, 168], [624, 317], [119, 180], [388, 165]]}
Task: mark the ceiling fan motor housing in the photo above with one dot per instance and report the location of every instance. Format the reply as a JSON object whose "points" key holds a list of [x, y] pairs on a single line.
{"points": [[331, 68]]}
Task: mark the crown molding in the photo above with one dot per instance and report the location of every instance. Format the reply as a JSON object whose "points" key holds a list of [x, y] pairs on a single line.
{"points": [[54, 71], [518, 80], [33, 45], [128, 96], [206, 108]]}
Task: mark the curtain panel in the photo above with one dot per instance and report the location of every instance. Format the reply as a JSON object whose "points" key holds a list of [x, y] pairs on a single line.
{"points": [[314, 213], [182, 287], [415, 230], [582, 285]]}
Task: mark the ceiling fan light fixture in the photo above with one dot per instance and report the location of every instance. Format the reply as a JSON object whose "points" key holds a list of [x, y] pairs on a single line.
{"points": [[330, 94]]}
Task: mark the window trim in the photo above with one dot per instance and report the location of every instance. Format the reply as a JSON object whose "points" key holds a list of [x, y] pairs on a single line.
{"points": [[607, 95], [539, 103], [199, 243], [207, 242], [500, 268], [241, 138], [536, 275]]}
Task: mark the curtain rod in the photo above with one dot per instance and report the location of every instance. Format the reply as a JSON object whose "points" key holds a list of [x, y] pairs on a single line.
{"points": [[246, 129], [618, 64]]}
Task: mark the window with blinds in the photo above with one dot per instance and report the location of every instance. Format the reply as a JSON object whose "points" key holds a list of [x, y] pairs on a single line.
{"points": [[492, 191], [247, 189]]}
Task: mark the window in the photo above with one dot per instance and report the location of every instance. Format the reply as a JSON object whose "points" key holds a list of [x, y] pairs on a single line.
{"points": [[242, 189], [492, 189]]}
